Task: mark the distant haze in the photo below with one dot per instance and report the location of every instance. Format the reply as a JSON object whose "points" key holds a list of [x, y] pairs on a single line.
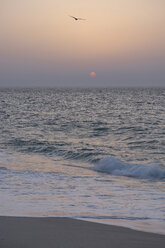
{"points": [[122, 41]]}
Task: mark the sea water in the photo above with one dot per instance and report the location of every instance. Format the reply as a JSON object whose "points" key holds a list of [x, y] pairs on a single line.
{"points": [[93, 154]]}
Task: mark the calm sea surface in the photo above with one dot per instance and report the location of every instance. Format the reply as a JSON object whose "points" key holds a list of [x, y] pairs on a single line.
{"points": [[93, 154]]}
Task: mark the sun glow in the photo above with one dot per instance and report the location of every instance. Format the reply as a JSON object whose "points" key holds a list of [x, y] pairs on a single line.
{"points": [[93, 74]]}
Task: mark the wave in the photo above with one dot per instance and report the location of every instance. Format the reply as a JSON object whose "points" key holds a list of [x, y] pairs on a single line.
{"points": [[3, 168], [114, 166]]}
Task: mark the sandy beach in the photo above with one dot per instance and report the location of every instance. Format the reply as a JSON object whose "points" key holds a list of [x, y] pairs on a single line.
{"points": [[27, 232]]}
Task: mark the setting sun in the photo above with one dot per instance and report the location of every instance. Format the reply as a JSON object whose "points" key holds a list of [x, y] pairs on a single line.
{"points": [[92, 74]]}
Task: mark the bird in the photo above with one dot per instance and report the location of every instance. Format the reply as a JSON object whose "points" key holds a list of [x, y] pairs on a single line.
{"points": [[77, 18]]}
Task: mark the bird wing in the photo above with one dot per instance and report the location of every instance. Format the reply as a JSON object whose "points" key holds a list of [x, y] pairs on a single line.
{"points": [[73, 17], [76, 18]]}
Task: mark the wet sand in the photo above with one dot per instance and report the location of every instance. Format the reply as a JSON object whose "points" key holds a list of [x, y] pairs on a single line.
{"points": [[27, 232]]}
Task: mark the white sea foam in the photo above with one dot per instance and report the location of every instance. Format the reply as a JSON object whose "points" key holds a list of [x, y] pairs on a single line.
{"points": [[114, 166]]}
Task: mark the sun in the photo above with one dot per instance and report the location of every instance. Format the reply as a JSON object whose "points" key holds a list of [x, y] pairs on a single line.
{"points": [[93, 74]]}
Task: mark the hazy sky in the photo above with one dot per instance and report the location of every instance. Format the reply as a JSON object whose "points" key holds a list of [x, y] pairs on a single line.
{"points": [[122, 41]]}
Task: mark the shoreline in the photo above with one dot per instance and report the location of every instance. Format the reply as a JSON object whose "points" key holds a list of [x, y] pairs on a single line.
{"points": [[64, 232], [147, 228]]}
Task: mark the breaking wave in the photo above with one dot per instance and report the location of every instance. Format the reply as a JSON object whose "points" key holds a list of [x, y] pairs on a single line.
{"points": [[114, 166]]}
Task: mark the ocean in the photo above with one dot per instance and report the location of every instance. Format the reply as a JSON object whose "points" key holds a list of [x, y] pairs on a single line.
{"points": [[93, 154]]}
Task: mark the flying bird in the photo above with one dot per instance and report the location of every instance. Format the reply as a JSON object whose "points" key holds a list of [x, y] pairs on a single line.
{"points": [[77, 18]]}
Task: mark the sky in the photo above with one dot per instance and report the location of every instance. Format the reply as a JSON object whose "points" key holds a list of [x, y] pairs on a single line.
{"points": [[121, 41]]}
